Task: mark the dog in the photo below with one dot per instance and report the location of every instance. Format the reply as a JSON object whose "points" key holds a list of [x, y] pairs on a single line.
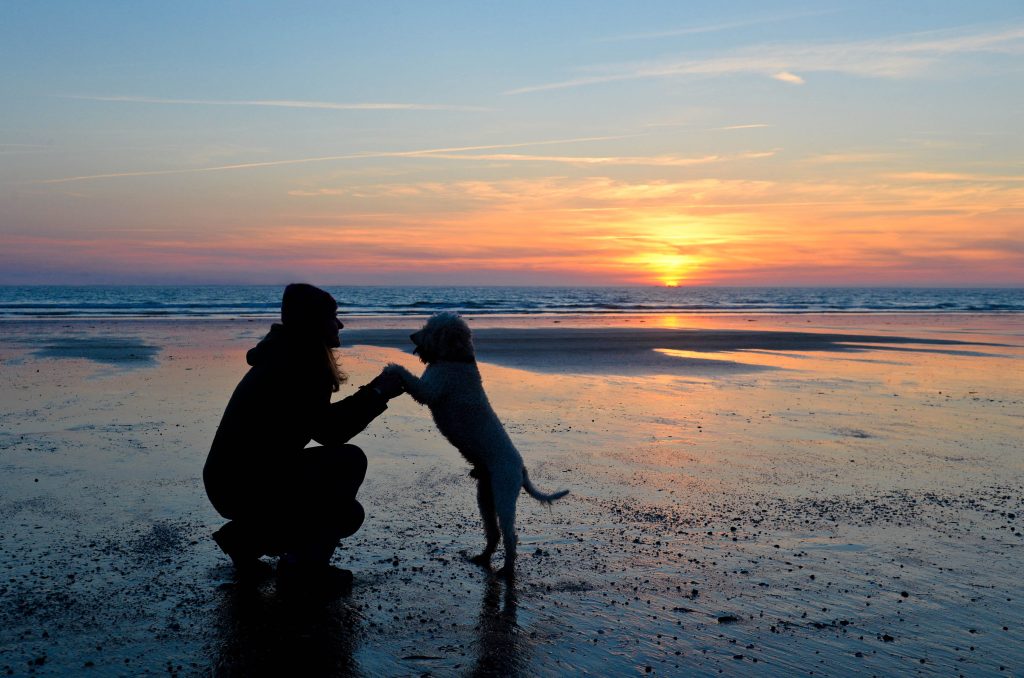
{"points": [[453, 390]]}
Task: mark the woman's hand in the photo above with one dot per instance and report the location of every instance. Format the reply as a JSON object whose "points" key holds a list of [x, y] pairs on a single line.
{"points": [[388, 385]]}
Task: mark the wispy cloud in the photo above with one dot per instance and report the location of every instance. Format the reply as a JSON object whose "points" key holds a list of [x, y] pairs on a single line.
{"points": [[420, 153], [791, 78], [282, 103], [25, 149], [850, 158], [958, 176], [893, 57], [715, 28], [653, 161], [606, 199], [597, 160], [755, 125]]}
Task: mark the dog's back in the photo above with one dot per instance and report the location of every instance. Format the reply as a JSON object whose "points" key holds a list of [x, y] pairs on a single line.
{"points": [[464, 415]]}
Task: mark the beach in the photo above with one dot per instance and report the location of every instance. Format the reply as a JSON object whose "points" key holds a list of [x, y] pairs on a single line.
{"points": [[806, 494]]}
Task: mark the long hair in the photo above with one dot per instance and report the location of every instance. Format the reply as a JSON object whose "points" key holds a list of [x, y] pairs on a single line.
{"points": [[338, 375]]}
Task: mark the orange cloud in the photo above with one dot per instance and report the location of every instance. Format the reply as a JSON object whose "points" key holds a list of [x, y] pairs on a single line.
{"points": [[915, 227]]}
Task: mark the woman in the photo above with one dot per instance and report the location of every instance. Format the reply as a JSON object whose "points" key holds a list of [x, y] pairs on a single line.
{"points": [[282, 498]]}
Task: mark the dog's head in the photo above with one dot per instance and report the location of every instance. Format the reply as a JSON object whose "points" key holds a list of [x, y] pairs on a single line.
{"points": [[446, 336]]}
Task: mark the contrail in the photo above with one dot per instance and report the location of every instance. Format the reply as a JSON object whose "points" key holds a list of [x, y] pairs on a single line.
{"points": [[329, 158], [282, 103]]}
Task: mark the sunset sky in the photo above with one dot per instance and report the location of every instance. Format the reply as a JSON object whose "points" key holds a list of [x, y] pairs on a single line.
{"points": [[593, 143]]}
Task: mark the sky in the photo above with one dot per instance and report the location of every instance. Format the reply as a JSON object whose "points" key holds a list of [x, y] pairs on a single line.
{"points": [[566, 143]]}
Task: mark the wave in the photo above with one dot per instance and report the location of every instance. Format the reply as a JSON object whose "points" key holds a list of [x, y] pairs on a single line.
{"points": [[264, 302]]}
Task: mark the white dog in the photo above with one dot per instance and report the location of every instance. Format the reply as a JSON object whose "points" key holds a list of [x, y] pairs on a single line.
{"points": [[451, 387]]}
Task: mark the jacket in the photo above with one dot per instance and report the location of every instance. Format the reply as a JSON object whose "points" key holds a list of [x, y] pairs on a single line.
{"points": [[282, 403]]}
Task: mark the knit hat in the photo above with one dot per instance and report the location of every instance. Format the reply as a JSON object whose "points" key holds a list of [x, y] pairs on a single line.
{"points": [[304, 307]]}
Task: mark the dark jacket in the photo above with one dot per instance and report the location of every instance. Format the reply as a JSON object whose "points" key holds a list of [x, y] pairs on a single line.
{"points": [[282, 403]]}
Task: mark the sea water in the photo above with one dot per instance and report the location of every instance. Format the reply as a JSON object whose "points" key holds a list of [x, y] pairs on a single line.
{"points": [[261, 301]]}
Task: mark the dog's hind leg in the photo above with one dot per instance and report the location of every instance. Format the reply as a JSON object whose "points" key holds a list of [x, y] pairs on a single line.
{"points": [[485, 500], [506, 492]]}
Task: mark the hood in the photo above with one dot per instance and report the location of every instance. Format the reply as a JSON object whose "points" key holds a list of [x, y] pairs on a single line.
{"points": [[283, 347]]}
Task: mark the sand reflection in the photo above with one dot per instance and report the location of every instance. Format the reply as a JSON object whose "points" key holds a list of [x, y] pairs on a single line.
{"points": [[501, 648], [262, 634]]}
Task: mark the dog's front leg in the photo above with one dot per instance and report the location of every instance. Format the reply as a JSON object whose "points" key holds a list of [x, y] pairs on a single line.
{"points": [[423, 390]]}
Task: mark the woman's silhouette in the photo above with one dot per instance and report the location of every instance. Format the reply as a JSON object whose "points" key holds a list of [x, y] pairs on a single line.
{"points": [[281, 497]]}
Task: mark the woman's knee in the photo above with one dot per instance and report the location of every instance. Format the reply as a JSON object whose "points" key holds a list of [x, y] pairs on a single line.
{"points": [[355, 466], [352, 520], [334, 471]]}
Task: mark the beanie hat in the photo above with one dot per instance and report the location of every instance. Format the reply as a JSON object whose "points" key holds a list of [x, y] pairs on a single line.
{"points": [[304, 307]]}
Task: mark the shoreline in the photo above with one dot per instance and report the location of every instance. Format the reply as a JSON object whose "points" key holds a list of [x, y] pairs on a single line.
{"points": [[652, 319], [529, 314], [584, 344]]}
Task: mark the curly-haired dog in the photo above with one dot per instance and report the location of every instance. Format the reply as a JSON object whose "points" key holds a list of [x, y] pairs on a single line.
{"points": [[451, 387]]}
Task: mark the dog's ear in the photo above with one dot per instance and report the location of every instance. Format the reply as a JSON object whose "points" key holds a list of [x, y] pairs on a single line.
{"points": [[455, 341]]}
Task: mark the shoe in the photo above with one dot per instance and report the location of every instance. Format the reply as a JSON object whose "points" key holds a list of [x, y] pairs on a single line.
{"points": [[248, 565]]}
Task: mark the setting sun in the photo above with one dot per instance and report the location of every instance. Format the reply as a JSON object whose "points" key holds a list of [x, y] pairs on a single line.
{"points": [[667, 270]]}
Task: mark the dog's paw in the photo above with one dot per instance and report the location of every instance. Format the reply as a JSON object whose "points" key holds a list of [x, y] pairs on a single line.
{"points": [[392, 368]]}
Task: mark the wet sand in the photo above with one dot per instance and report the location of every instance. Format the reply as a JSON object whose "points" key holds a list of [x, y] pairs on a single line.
{"points": [[799, 495]]}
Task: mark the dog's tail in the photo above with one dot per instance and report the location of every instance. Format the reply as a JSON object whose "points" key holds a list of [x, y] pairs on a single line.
{"points": [[537, 494]]}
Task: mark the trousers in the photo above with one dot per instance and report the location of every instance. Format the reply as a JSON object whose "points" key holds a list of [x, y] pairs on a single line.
{"points": [[303, 503]]}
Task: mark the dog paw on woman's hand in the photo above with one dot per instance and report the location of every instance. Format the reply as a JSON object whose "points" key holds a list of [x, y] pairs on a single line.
{"points": [[388, 384]]}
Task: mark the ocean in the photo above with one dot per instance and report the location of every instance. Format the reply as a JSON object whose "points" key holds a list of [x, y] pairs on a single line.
{"points": [[261, 301]]}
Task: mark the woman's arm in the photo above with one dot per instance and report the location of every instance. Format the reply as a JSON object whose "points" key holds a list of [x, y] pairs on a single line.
{"points": [[346, 418]]}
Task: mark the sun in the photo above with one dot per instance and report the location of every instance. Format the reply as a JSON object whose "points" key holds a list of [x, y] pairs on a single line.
{"points": [[667, 270]]}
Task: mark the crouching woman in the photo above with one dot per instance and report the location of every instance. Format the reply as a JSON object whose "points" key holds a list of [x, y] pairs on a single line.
{"points": [[280, 497]]}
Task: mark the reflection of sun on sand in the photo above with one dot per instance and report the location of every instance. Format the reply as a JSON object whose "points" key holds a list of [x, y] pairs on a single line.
{"points": [[768, 359], [782, 359]]}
